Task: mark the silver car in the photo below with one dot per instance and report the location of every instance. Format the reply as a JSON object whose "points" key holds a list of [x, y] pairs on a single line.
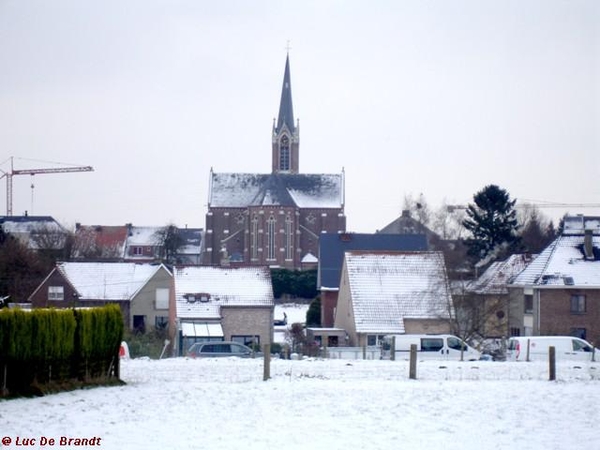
{"points": [[218, 349]]}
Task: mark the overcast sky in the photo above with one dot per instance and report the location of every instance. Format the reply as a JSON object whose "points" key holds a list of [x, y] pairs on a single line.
{"points": [[436, 97]]}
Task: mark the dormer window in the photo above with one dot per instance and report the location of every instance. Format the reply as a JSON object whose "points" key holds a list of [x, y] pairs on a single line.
{"points": [[202, 297]]}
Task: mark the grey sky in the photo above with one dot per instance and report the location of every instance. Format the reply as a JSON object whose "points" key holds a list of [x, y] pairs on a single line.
{"points": [[436, 97]]}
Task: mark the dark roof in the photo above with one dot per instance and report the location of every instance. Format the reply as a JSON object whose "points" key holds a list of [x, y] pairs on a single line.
{"points": [[333, 246], [286, 110], [240, 190]]}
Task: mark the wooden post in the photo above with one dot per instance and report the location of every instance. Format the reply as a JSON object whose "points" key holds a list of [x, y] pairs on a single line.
{"points": [[412, 373], [393, 349], [528, 345], [552, 362], [267, 362]]}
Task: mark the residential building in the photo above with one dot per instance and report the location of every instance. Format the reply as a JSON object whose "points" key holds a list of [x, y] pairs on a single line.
{"points": [[392, 293], [141, 290], [331, 257], [561, 287], [36, 232], [273, 219], [222, 303]]}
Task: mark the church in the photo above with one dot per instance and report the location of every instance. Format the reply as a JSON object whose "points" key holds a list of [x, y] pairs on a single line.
{"points": [[273, 219]]}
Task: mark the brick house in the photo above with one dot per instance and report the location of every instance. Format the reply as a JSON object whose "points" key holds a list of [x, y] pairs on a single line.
{"points": [[273, 219], [560, 289], [141, 290], [222, 303]]}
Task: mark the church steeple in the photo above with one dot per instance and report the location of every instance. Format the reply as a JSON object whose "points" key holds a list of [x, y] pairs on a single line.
{"points": [[285, 133]]}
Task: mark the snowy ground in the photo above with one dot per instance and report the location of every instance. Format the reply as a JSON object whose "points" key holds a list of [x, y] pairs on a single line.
{"points": [[185, 403]]}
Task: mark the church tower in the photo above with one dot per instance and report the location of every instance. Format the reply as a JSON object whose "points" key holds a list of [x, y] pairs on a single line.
{"points": [[286, 137]]}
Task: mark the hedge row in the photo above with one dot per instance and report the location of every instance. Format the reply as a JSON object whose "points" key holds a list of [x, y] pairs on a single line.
{"points": [[52, 346]]}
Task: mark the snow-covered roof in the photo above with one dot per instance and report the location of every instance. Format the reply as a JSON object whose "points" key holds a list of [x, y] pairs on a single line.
{"points": [[495, 279], [107, 281], [144, 236], [309, 258], [240, 190], [388, 287], [35, 231], [225, 286], [563, 263]]}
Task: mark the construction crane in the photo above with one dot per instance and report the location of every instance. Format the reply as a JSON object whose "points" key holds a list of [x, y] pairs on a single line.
{"points": [[536, 204], [9, 175]]}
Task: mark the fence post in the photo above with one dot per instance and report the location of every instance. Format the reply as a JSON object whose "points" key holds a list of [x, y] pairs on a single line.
{"points": [[393, 349], [528, 343], [412, 373], [267, 362], [552, 362]]}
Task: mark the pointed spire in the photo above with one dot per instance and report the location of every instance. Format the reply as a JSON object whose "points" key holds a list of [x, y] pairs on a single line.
{"points": [[286, 110]]}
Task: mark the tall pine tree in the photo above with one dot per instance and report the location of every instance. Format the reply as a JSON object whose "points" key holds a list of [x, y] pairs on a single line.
{"points": [[492, 221]]}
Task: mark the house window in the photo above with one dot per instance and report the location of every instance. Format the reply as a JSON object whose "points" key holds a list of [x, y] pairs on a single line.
{"points": [[271, 238], [137, 251], [248, 340], [161, 322], [528, 304], [374, 339], [162, 298], [56, 293], [515, 331], [284, 153], [577, 304], [580, 333], [139, 324]]}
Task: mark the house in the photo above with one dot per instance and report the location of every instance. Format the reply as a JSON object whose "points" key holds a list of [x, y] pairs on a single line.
{"points": [[143, 244], [483, 306], [331, 256], [99, 242], [561, 287], [273, 219], [141, 290], [35, 232], [392, 293], [222, 303]]}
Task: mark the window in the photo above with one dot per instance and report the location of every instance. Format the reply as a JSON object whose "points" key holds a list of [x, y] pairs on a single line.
{"points": [[271, 238], [161, 322], [289, 238], [577, 304], [137, 251], [139, 324], [528, 304], [284, 153], [432, 344], [515, 331], [580, 333], [248, 340], [162, 298], [456, 344], [374, 339], [56, 293], [254, 237]]}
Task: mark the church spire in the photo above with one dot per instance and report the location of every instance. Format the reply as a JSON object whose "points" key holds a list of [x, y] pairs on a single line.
{"points": [[286, 110], [286, 135]]}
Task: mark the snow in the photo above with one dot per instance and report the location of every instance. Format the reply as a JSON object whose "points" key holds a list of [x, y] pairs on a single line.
{"points": [[295, 312], [183, 403]]}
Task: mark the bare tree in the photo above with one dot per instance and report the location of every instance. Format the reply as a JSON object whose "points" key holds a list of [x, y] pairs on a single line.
{"points": [[170, 241]]}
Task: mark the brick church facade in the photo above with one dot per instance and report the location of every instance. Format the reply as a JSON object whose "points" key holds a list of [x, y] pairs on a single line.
{"points": [[273, 219]]}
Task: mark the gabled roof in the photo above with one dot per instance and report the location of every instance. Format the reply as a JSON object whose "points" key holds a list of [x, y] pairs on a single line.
{"points": [[26, 228], [241, 190], [109, 238], [225, 286], [563, 263], [495, 279], [143, 235], [333, 246], [107, 281], [388, 287]]}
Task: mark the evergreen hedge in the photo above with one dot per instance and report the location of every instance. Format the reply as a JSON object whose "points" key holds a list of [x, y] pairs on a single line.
{"points": [[45, 347]]}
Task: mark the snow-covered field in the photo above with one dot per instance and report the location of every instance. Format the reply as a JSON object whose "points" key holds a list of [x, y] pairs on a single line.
{"points": [[185, 403]]}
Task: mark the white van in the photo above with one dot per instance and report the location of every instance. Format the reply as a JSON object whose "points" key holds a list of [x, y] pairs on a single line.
{"points": [[429, 346], [567, 348]]}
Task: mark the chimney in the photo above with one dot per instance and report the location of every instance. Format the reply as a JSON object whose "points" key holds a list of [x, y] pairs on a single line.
{"points": [[588, 247]]}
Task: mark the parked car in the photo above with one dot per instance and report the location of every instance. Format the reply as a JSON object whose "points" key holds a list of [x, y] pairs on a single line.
{"points": [[429, 346], [219, 349], [566, 347]]}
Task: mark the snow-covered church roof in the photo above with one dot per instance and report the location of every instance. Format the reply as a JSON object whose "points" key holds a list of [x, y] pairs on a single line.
{"points": [[241, 190]]}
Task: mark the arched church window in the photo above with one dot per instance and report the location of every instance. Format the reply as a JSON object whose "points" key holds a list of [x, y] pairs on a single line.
{"points": [[289, 238], [254, 238], [284, 153], [271, 238]]}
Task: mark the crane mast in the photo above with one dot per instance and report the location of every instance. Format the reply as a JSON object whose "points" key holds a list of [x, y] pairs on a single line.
{"points": [[9, 176]]}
